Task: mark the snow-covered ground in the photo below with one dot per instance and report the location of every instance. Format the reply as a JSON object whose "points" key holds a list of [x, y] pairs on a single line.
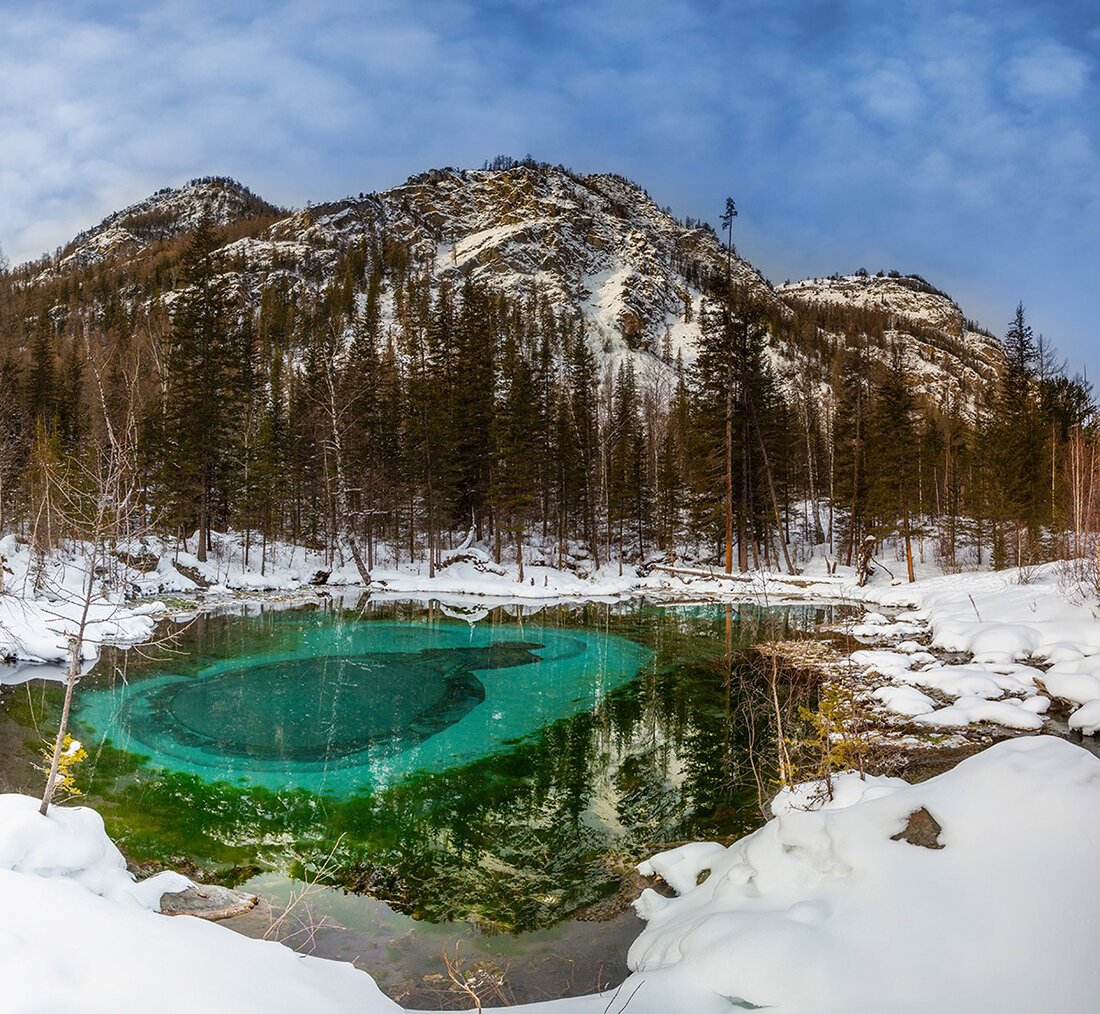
{"points": [[825, 909], [1019, 639], [34, 624], [77, 934]]}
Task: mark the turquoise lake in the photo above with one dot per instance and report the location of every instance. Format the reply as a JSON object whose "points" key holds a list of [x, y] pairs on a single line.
{"points": [[434, 776], [347, 706]]}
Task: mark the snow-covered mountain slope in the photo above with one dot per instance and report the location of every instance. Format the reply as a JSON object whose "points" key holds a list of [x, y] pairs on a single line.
{"points": [[596, 248], [169, 213], [948, 359]]}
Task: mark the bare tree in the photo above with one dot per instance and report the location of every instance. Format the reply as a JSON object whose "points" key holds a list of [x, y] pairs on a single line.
{"points": [[96, 499]]}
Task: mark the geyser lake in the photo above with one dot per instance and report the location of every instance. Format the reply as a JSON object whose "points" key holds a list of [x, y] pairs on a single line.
{"points": [[437, 779]]}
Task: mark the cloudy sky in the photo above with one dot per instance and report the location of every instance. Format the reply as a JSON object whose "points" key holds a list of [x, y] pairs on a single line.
{"points": [[957, 140]]}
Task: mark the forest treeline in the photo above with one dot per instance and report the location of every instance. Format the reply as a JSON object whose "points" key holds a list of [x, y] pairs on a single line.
{"points": [[379, 413]]}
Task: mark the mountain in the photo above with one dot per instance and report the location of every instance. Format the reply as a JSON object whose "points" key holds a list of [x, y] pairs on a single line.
{"points": [[500, 350], [166, 215], [596, 247], [948, 358]]}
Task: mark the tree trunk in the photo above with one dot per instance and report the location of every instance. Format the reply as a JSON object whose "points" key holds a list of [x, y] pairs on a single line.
{"points": [[519, 549], [863, 560], [729, 483], [908, 542], [71, 676], [201, 551]]}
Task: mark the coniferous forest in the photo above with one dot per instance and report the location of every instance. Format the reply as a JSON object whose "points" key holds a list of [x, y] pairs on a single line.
{"points": [[378, 411]]}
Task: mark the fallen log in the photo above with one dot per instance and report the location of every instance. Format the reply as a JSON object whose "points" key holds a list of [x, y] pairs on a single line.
{"points": [[748, 578]]}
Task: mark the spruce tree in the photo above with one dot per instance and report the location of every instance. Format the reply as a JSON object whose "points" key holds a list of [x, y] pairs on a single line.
{"points": [[583, 413], [473, 406], [514, 496], [850, 430], [732, 410], [1018, 439], [892, 452], [201, 390]]}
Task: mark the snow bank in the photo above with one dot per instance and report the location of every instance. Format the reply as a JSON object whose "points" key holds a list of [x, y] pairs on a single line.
{"points": [[76, 933], [997, 621], [822, 911], [35, 626], [39, 611], [71, 844]]}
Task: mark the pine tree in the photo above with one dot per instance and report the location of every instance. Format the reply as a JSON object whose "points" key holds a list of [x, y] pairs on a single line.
{"points": [[850, 426], [1018, 439], [732, 407], [891, 453], [266, 491], [514, 496], [473, 406], [586, 430], [359, 392], [200, 426], [41, 388], [13, 438], [628, 486], [671, 470]]}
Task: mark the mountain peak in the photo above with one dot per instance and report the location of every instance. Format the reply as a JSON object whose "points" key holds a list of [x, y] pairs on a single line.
{"points": [[165, 215]]}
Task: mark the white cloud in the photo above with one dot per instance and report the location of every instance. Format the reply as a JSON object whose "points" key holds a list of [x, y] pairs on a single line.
{"points": [[891, 94], [1050, 72]]}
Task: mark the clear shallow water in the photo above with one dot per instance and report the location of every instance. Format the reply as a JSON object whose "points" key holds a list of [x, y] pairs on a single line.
{"points": [[430, 816], [348, 705], [405, 955]]}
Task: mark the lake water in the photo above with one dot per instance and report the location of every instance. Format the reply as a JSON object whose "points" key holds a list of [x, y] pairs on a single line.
{"points": [[475, 782]]}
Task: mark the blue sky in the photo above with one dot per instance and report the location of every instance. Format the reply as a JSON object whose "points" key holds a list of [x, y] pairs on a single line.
{"points": [[960, 141]]}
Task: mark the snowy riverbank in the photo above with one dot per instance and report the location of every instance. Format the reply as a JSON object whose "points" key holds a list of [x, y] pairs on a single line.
{"points": [[40, 601], [1008, 623]]}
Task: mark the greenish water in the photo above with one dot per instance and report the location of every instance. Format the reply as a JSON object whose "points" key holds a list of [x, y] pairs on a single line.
{"points": [[492, 782], [344, 705]]}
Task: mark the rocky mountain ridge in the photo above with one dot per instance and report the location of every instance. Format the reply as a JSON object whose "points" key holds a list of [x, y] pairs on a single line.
{"points": [[597, 247], [167, 214]]}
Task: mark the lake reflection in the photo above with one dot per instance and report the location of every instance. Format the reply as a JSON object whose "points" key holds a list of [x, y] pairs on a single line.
{"points": [[505, 773]]}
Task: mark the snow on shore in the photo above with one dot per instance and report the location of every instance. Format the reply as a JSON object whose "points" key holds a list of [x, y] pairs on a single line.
{"points": [[76, 933], [1024, 645], [35, 626], [821, 911], [1028, 636], [824, 912]]}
